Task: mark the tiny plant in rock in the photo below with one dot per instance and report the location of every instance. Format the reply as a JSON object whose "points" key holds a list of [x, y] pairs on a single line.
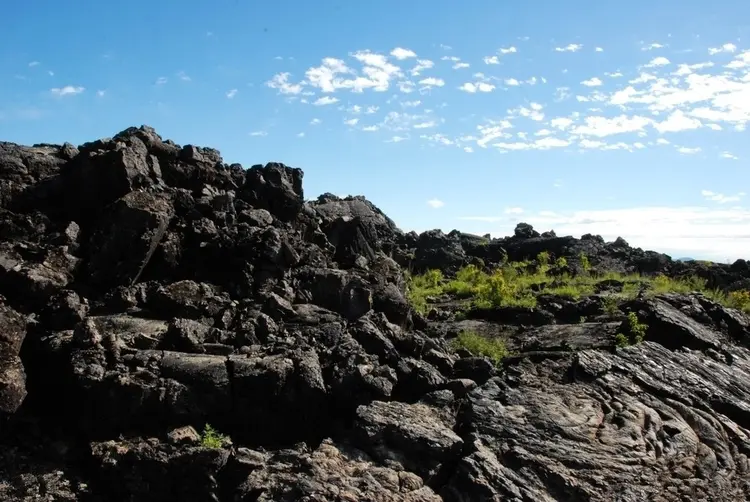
{"points": [[478, 345], [637, 328], [211, 438], [582, 319], [585, 263], [636, 331], [610, 306], [621, 340], [543, 259]]}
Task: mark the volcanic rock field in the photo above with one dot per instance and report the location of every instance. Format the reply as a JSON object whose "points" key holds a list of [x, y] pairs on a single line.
{"points": [[176, 328]]}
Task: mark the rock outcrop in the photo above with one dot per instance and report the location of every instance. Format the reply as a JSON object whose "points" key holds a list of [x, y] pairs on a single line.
{"points": [[148, 289]]}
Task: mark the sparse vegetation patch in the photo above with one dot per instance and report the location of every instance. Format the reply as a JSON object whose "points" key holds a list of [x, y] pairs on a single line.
{"points": [[519, 283], [492, 348]]}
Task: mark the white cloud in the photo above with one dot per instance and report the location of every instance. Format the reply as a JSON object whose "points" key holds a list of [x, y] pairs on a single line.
{"points": [[689, 151], [371, 109], [479, 86], [658, 61], [333, 74], [569, 48], [68, 90], [532, 113], [550, 142], [491, 60], [653, 46], [513, 210], [397, 139], [259, 133], [422, 64], [370, 128], [101, 92], [432, 82], [720, 197], [724, 48], [325, 100], [34, 63], [507, 50], [718, 233], [603, 126], [406, 86], [231, 93], [491, 131], [592, 82], [183, 76], [599, 49], [161, 80], [592, 144], [459, 66], [740, 61], [728, 155], [435, 203], [300, 134], [351, 122], [677, 121], [425, 125], [561, 122], [281, 83], [615, 74], [401, 53], [315, 121], [687, 69], [512, 82], [411, 104], [468, 149]]}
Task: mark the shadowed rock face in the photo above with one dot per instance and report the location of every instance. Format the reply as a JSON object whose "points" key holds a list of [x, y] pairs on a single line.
{"points": [[147, 289]]}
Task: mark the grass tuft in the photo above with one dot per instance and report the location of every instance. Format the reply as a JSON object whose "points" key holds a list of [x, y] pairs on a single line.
{"points": [[492, 348]]}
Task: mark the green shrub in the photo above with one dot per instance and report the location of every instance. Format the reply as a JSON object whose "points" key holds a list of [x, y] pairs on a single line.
{"points": [[610, 306], [492, 348], [543, 259], [637, 328], [739, 300], [621, 340], [636, 331], [211, 438], [419, 287], [585, 263]]}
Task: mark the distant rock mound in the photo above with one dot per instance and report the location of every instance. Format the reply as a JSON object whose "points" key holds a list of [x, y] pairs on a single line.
{"points": [[152, 294]]}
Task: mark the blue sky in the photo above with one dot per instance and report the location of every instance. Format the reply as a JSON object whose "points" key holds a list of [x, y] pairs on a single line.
{"points": [[612, 118]]}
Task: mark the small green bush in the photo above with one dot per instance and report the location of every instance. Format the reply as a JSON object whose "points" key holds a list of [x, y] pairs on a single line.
{"points": [[636, 331], [492, 348], [739, 300], [543, 258], [621, 340], [611, 306], [585, 263], [211, 438]]}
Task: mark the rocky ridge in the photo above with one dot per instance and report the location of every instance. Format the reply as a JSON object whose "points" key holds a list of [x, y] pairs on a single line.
{"points": [[148, 289]]}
